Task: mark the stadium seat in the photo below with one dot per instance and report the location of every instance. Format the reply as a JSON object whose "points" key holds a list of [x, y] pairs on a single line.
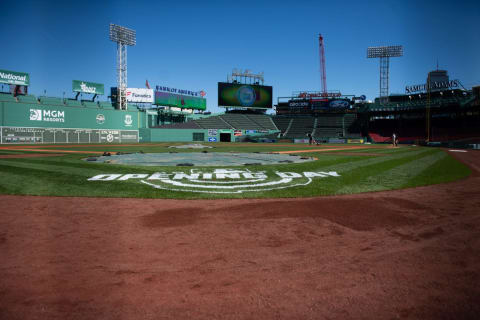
{"points": [[106, 105], [7, 97], [73, 103], [51, 101], [27, 98], [90, 104]]}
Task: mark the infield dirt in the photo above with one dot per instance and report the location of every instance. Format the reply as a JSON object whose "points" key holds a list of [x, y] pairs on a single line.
{"points": [[412, 254]]}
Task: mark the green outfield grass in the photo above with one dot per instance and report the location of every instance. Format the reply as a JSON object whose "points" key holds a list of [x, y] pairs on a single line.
{"points": [[385, 169]]}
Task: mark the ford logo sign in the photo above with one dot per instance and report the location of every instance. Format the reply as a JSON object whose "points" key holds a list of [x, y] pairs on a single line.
{"points": [[339, 104]]}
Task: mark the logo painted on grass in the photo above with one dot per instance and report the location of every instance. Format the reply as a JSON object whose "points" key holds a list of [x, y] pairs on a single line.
{"points": [[219, 180]]}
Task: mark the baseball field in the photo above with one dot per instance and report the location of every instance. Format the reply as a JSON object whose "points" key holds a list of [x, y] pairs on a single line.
{"points": [[63, 170], [338, 232]]}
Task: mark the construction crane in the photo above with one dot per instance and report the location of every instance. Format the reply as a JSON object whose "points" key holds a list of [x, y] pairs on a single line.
{"points": [[323, 74]]}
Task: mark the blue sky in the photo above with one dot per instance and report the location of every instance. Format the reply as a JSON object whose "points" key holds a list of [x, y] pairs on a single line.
{"points": [[194, 44]]}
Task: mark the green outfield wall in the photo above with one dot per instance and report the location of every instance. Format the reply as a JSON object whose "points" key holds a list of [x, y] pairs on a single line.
{"points": [[197, 135], [35, 123]]}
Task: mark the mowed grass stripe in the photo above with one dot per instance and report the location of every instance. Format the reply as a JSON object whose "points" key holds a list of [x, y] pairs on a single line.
{"points": [[17, 180], [67, 163], [42, 172], [62, 167], [363, 161], [373, 176], [399, 176], [446, 169]]}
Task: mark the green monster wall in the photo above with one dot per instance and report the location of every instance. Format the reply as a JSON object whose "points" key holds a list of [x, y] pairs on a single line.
{"points": [[35, 123]]}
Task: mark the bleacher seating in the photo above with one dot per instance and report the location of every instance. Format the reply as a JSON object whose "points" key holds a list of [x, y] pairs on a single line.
{"points": [[300, 127], [181, 125], [52, 101], [90, 104], [262, 120], [73, 103], [106, 105], [214, 122], [241, 121], [27, 98], [7, 97], [282, 122], [328, 132]]}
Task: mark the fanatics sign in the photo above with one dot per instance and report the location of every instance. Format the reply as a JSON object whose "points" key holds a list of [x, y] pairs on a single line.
{"points": [[140, 95]]}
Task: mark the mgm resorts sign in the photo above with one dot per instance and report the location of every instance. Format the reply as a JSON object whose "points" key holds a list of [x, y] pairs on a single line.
{"points": [[434, 86]]}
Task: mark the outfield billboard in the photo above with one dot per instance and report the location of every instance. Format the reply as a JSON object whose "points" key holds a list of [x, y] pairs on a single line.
{"points": [[16, 114], [140, 95], [13, 77], [244, 95], [179, 101], [87, 87]]}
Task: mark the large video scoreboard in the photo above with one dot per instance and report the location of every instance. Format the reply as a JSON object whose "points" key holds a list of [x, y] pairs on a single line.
{"points": [[244, 95]]}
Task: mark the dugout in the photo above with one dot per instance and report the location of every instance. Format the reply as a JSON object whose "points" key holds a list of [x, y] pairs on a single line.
{"points": [[225, 137]]}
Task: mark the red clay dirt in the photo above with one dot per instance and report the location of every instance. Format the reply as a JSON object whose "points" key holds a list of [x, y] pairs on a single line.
{"points": [[406, 254]]}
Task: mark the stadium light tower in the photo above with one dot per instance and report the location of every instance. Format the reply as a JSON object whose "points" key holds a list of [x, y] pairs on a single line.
{"points": [[384, 53], [123, 37]]}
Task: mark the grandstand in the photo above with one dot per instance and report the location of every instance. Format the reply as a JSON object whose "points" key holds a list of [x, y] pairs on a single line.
{"points": [[323, 127], [215, 122], [454, 116], [236, 121]]}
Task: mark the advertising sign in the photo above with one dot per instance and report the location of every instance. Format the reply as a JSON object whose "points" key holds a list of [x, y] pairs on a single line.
{"points": [[434, 85], [179, 101], [298, 103], [87, 87], [140, 95], [244, 95], [192, 93], [237, 133], [338, 103], [12, 77]]}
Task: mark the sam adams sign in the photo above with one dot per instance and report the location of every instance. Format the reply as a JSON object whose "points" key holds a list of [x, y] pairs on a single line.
{"points": [[434, 85], [219, 180], [87, 87], [12, 77]]}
